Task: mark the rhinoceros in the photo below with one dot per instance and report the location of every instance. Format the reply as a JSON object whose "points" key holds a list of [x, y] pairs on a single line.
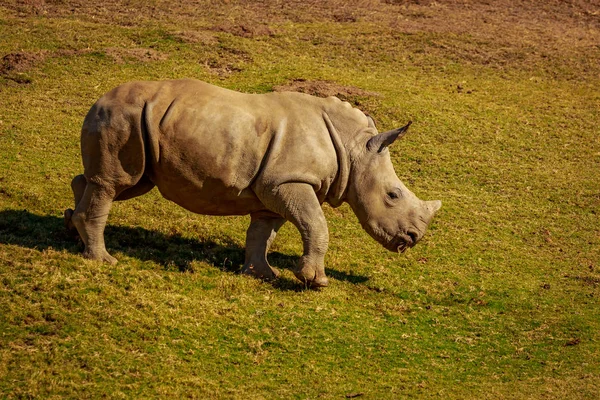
{"points": [[275, 156]]}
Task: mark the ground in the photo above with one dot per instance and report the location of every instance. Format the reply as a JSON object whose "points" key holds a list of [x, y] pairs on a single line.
{"points": [[500, 299]]}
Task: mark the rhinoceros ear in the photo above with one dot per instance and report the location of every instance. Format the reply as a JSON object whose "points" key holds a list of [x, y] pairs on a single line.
{"points": [[380, 141]]}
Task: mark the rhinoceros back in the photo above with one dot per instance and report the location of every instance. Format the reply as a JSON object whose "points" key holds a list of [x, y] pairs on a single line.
{"points": [[205, 147]]}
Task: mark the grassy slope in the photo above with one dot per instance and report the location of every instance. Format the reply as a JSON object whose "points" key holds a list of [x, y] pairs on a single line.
{"points": [[500, 299]]}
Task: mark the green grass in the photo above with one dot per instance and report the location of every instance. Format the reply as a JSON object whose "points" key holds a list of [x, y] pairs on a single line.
{"points": [[500, 300]]}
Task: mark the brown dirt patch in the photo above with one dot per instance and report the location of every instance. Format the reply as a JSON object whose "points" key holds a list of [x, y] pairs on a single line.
{"points": [[324, 89], [21, 62], [71, 52], [203, 37], [247, 30], [121, 55], [13, 66], [227, 61], [562, 34], [31, 7], [345, 16], [222, 68], [367, 101]]}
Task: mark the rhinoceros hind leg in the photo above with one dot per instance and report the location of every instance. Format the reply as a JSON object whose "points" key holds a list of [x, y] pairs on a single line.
{"points": [[299, 204], [78, 185], [71, 230], [89, 218], [261, 233]]}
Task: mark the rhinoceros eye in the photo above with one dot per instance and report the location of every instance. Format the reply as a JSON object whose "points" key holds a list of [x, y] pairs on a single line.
{"points": [[392, 195]]}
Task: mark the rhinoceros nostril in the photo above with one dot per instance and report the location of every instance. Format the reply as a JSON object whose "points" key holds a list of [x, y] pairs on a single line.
{"points": [[414, 237]]}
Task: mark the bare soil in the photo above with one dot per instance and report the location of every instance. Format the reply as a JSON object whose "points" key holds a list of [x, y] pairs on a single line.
{"points": [[503, 32], [14, 66], [20, 61], [227, 61], [324, 89], [192, 36], [250, 30]]}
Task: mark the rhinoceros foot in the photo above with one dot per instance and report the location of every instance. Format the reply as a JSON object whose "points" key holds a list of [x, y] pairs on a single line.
{"points": [[311, 278], [99, 256], [264, 272]]}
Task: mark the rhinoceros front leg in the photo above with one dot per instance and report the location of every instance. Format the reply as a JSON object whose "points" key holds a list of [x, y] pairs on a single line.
{"points": [[261, 233], [298, 203]]}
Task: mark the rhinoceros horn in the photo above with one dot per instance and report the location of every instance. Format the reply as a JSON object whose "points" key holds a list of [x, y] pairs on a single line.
{"points": [[432, 207], [382, 140], [372, 123]]}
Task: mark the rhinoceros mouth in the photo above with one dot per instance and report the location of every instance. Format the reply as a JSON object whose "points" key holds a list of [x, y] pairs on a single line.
{"points": [[402, 247], [400, 243]]}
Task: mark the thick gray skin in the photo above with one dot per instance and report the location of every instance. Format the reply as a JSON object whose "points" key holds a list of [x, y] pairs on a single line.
{"points": [[275, 156]]}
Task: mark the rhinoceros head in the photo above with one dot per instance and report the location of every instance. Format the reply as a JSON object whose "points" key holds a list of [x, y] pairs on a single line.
{"points": [[387, 210]]}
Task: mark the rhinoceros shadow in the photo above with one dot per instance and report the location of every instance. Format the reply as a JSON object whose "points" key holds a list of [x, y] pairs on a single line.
{"points": [[172, 252]]}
